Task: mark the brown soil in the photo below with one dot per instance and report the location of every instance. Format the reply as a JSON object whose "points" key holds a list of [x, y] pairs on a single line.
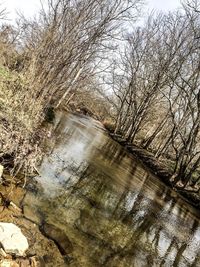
{"points": [[42, 251]]}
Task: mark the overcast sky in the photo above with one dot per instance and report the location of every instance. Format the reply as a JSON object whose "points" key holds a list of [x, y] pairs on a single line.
{"points": [[29, 7]]}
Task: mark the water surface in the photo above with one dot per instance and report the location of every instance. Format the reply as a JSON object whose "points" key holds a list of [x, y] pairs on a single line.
{"points": [[112, 210]]}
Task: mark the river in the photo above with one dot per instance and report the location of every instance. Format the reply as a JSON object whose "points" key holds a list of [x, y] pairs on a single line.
{"points": [[110, 210]]}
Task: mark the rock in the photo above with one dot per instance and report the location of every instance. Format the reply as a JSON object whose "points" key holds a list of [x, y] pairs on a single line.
{"points": [[20, 262], [37, 262], [8, 263], [59, 237], [1, 170], [24, 263], [2, 253], [12, 239], [31, 214]]}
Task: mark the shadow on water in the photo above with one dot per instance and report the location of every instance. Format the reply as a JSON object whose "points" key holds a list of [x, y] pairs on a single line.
{"points": [[103, 208]]}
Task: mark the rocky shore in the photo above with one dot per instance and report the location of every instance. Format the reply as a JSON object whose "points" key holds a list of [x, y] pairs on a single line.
{"points": [[22, 241]]}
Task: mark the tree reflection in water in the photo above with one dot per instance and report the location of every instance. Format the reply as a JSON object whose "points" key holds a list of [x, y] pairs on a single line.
{"points": [[114, 211]]}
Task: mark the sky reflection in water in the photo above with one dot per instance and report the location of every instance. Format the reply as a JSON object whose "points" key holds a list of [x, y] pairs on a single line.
{"points": [[114, 212]]}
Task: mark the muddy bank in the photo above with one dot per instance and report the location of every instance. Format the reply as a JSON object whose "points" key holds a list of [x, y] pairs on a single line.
{"points": [[43, 250], [157, 168]]}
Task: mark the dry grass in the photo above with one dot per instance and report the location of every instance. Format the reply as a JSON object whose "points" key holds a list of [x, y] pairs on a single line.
{"points": [[20, 116]]}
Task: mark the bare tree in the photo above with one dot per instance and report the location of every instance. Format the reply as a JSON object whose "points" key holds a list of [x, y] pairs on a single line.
{"points": [[157, 90], [2, 13], [65, 40]]}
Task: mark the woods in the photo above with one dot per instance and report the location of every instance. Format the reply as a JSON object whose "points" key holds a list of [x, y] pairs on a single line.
{"points": [[157, 93], [150, 90], [45, 59]]}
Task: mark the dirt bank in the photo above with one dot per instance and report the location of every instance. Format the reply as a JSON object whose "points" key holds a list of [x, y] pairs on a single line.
{"points": [[42, 250]]}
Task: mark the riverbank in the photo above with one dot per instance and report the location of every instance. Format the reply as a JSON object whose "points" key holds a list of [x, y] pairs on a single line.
{"points": [[157, 167], [42, 249], [65, 219]]}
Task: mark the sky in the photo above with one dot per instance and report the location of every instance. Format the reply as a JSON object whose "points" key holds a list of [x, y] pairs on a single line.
{"points": [[30, 7], [163, 5]]}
